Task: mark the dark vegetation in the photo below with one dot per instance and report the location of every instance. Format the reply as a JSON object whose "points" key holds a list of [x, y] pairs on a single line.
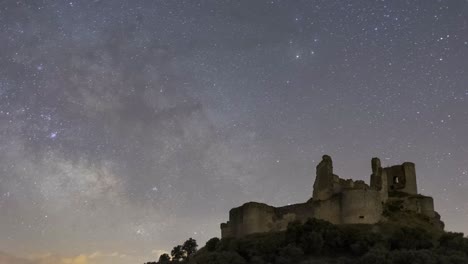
{"points": [[317, 242]]}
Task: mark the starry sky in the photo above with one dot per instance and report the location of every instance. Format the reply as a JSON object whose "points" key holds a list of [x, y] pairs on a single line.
{"points": [[128, 126]]}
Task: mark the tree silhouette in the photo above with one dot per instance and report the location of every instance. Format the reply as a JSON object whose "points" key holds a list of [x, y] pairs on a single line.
{"points": [[164, 259], [177, 253], [212, 244], [190, 247]]}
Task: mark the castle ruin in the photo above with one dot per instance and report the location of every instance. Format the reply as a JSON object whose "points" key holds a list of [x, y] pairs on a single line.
{"points": [[336, 200]]}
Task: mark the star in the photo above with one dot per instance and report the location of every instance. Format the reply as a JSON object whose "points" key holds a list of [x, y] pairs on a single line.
{"points": [[53, 135]]}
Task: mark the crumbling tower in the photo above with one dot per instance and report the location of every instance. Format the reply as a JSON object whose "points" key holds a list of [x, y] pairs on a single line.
{"points": [[323, 185], [402, 178], [379, 179]]}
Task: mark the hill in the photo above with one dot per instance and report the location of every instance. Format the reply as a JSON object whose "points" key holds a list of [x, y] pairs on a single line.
{"points": [[406, 238]]}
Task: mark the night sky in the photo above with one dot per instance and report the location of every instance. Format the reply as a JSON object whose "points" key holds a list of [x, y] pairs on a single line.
{"points": [[127, 127]]}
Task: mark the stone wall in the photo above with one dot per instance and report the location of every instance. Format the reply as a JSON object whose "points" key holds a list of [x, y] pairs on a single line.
{"points": [[417, 203], [409, 169], [379, 179], [257, 218], [252, 218], [226, 230], [402, 178], [248, 219], [427, 206], [328, 210], [302, 211], [287, 214], [361, 207], [324, 179]]}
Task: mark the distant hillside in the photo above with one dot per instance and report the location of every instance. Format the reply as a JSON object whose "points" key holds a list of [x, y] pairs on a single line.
{"points": [[407, 238]]}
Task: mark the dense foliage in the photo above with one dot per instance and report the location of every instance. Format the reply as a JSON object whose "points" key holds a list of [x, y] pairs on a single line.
{"points": [[319, 241]]}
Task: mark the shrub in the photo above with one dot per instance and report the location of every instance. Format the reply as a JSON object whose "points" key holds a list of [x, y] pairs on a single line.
{"points": [[412, 257], [212, 244], [225, 257], [311, 243], [454, 241], [375, 257], [291, 253], [411, 238]]}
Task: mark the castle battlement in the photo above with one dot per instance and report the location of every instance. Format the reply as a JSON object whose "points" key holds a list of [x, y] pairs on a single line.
{"points": [[337, 200]]}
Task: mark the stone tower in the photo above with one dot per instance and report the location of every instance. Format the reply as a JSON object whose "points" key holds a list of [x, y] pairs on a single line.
{"points": [[402, 178], [379, 179], [323, 185]]}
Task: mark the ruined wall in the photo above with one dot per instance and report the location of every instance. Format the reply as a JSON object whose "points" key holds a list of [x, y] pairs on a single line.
{"points": [[302, 211], [248, 219], [257, 218], [409, 169], [245, 219], [252, 218], [287, 214], [427, 206], [323, 185], [226, 230], [361, 207], [327, 184], [328, 210], [402, 178], [418, 203], [235, 221], [379, 179]]}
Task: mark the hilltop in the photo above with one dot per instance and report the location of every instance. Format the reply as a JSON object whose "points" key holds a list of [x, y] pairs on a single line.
{"points": [[407, 238]]}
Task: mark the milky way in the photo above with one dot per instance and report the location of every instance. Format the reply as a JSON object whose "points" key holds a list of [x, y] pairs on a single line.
{"points": [[128, 126]]}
